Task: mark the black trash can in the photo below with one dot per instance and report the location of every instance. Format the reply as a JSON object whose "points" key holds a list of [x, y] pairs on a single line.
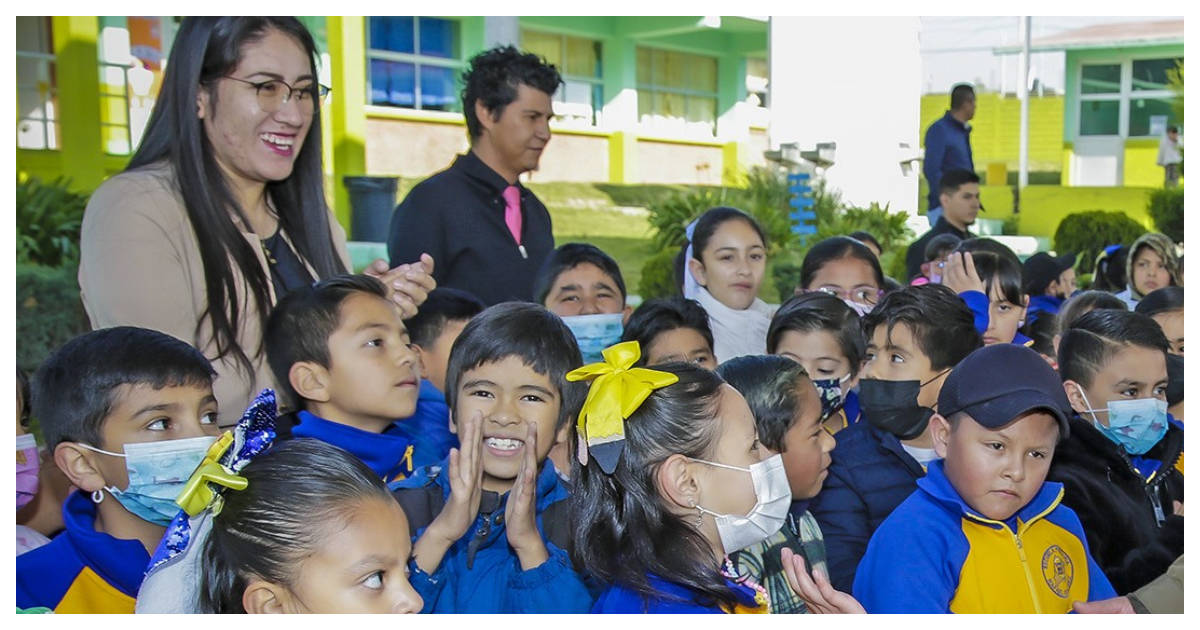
{"points": [[372, 201]]}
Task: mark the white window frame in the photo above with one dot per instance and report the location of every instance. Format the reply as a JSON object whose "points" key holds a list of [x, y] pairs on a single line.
{"points": [[1123, 97], [686, 93], [457, 63], [49, 121]]}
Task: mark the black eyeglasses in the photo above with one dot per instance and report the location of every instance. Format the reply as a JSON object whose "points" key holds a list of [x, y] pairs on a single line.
{"points": [[274, 93]]}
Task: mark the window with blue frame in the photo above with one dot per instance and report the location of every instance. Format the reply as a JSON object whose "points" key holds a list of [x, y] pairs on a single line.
{"points": [[414, 62]]}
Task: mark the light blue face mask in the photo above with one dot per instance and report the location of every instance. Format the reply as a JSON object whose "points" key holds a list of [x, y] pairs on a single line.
{"points": [[1135, 425], [594, 333], [157, 473]]}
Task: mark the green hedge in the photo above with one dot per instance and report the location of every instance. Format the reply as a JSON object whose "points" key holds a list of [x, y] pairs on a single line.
{"points": [[49, 217], [49, 312], [1085, 234], [1166, 208]]}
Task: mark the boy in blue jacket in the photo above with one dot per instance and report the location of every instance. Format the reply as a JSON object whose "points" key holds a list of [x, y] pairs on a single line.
{"points": [[985, 532], [343, 360], [488, 522], [914, 337]]}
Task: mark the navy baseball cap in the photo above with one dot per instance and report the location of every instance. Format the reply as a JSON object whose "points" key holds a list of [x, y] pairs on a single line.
{"points": [[996, 384], [1040, 269]]}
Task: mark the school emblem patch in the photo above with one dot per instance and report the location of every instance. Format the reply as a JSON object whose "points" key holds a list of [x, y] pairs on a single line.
{"points": [[1058, 570]]}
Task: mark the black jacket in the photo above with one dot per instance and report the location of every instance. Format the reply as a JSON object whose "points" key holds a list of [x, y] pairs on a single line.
{"points": [[916, 252], [1117, 506], [457, 216]]}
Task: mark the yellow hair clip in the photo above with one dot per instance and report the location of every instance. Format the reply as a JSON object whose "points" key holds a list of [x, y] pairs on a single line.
{"points": [[197, 495], [617, 390]]}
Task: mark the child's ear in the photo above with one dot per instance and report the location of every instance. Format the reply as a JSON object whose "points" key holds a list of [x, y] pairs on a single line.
{"points": [[421, 360], [263, 597], [677, 484], [697, 270], [940, 432], [1074, 393], [76, 463], [625, 314], [310, 380]]}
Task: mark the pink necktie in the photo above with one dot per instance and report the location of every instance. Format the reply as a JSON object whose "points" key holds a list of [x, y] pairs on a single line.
{"points": [[512, 211]]}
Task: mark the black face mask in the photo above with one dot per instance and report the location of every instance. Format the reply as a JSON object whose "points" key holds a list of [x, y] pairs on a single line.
{"points": [[892, 406]]}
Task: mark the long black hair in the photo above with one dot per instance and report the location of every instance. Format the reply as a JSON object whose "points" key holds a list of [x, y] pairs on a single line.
{"points": [[297, 494], [621, 526], [206, 49], [837, 248]]}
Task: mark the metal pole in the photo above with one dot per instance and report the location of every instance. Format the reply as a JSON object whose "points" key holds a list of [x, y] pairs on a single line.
{"points": [[1023, 91]]}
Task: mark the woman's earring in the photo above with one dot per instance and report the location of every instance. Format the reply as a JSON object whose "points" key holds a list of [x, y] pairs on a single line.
{"points": [[699, 516], [97, 496]]}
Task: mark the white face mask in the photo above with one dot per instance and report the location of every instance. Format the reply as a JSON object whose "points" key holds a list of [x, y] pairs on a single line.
{"points": [[773, 498]]}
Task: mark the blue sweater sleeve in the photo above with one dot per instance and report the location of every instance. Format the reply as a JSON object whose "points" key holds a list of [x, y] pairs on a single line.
{"points": [[842, 515], [551, 587], [979, 305], [905, 570], [935, 153], [429, 587]]}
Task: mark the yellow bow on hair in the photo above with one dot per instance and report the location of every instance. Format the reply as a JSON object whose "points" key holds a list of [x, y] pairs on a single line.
{"points": [[617, 390], [197, 495]]}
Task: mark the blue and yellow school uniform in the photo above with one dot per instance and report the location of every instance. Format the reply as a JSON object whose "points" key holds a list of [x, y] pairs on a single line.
{"points": [[674, 599], [389, 455], [935, 554], [82, 570], [428, 428]]}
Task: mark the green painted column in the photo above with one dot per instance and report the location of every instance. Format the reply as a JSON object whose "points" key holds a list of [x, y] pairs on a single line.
{"points": [[78, 87], [346, 111], [619, 57], [731, 126]]}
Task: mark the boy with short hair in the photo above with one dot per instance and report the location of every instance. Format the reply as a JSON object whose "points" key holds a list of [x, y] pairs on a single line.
{"points": [[914, 337], [343, 359], [478, 517], [438, 322], [1049, 281], [583, 285], [985, 532], [128, 413]]}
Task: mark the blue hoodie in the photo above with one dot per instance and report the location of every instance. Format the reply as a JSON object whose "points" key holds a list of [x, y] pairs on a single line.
{"points": [[389, 456], [1039, 304], [935, 554], [428, 428], [675, 599], [82, 570], [480, 573]]}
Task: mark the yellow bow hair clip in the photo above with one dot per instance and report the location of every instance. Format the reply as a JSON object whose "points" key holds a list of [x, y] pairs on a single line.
{"points": [[617, 390], [197, 495]]}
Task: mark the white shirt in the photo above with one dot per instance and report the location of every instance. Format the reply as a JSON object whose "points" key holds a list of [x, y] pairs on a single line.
{"points": [[736, 332], [1168, 152]]}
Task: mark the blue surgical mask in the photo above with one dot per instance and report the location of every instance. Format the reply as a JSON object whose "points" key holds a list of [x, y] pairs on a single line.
{"points": [[829, 390], [157, 473], [1134, 425], [594, 333]]}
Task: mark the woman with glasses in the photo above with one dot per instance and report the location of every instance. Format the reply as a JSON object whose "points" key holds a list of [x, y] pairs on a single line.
{"points": [[221, 211], [844, 268]]}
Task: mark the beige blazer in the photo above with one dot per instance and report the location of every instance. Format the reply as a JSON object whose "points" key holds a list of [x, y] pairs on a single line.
{"points": [[140, 266]]}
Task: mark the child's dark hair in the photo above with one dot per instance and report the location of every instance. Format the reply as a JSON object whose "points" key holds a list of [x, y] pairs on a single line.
{"points": [[74, 389], [569, 256], [660, 315], [866, 237], [954, 178], [1093, 339], [1042, 331], [940, 246], [712, 219], [1085, 302], [302, 322], [997, 266], [837, 248], [941, 324], [529, 332], [810, 312], [444, 304], [1109, 271], [770, 385], [23, 396], [622, 527], [298, 494], [492, 78], [1160, 301]]}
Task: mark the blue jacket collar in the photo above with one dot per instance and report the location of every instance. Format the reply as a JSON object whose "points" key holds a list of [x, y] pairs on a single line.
{"points": [[429, 392], [1046, 303], [120, 562], [937, 486], [387, 454], [890, 443], [671, 590]]}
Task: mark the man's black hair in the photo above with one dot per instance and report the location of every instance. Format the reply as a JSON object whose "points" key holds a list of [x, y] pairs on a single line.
{"points": [[570, 256], [536, 336], [954, 178], [74, 390], [1092, 340], [940, 322], [302, 322], [960, 94], [444, 304], [660, 315], [492, 78]]}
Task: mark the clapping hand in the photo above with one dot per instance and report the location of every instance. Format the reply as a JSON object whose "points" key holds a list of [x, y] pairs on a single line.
{"points": [[408, 285], [466, 486], [521, 511]]}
